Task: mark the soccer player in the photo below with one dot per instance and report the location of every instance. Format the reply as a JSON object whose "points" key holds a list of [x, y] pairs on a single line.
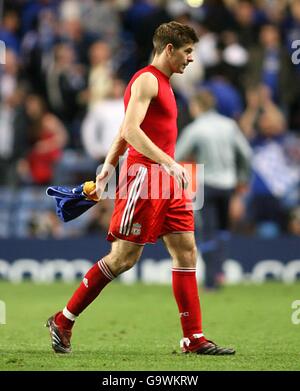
{"points": [[149, 129]]}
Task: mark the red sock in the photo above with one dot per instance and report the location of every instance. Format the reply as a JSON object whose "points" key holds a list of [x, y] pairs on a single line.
{"points": [[185, 290], [92, 284]]}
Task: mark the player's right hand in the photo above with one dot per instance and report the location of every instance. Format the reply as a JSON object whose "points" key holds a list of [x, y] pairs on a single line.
{"points": [[179, 173], [101, 182]]}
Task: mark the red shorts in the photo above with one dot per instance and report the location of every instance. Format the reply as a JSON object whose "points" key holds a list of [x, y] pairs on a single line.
{"points": [[148, 205]]}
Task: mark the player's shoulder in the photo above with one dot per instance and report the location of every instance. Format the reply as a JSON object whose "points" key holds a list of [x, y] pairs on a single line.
{"points": [[146, 77], [146, 84]]}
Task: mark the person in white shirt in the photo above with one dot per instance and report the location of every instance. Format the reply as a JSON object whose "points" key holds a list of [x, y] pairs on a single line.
{"points": [[102, 123], [217, 142]]}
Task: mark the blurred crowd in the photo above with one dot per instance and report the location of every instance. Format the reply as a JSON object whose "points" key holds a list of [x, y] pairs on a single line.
{"points": [[61, 100]]}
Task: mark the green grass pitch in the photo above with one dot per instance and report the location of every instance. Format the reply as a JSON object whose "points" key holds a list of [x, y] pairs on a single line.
{"points": [[136, 327]]}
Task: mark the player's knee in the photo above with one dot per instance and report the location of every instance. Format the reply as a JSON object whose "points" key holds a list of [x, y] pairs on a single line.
{"points": [[125, 262], [188, 257], [128, 263]]}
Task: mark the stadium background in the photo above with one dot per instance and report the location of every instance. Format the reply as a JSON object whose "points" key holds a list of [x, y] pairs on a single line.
{"points": [[61, 86]]}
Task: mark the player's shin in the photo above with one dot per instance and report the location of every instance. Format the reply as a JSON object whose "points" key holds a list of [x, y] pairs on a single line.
{"points": [[98, 276], [185, 290]]}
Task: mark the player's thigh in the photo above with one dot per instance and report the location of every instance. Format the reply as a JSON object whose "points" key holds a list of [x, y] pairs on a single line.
{"points": [[182, 248]]}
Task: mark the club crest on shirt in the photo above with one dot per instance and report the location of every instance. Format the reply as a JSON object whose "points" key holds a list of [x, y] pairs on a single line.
{"points": [[136, 229]]}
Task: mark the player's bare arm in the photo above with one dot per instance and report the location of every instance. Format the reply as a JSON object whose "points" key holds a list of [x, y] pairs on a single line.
{"points": [[116, 150], [143, 90]]}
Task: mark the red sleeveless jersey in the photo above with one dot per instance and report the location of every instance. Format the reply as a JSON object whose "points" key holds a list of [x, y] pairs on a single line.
{"points": [[160, 122]]}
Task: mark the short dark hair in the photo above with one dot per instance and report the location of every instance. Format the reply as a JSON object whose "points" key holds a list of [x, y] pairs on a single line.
{"points": [[175, 33]]}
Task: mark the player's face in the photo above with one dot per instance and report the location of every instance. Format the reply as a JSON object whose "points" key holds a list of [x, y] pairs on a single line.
{"points": [[181, 58]]}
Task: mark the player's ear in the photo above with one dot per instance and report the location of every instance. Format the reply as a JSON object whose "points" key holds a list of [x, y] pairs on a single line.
{"points": [[169, 49]]}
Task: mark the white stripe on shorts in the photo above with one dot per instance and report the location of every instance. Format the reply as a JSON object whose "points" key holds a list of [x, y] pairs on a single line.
{"points": [[135, 201], [132, 198], [133, 187]]}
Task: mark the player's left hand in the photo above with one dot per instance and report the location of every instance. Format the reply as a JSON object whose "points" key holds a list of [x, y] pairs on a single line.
{"points": [[179, 173]]}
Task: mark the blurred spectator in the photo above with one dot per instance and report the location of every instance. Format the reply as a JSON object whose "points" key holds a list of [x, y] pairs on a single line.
{"points": [[207, 50], [291, 24], [291, 29], [45, 225], [247, 20], [275, 10], [102, 17], [293, 226], [69, 10], [100, 74], [37, 48], [47, 138], [72, 31], [258, 99], [217, 15], [229, 100], [217, 142], [10, 97], [103, 122], [136, 11], [31, 11], [65, 79], [234, 57], [275, 183], [270, 64], [9, 31], [100, 217]]}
